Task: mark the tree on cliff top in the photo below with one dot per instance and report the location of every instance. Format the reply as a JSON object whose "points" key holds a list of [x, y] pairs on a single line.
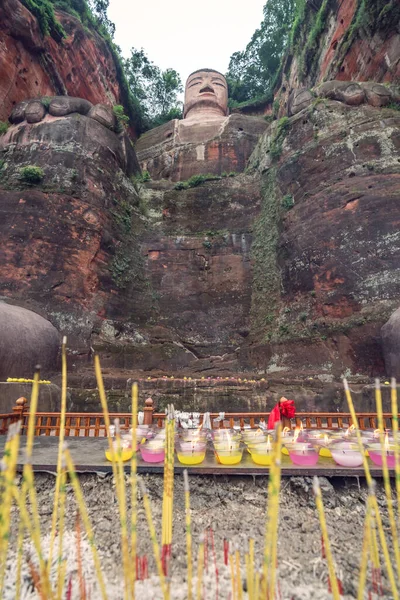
{"points": [[251, 73], [156, 90]]}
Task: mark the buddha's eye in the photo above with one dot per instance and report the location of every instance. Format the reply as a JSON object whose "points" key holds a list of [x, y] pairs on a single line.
{"points": [[194, 83]]}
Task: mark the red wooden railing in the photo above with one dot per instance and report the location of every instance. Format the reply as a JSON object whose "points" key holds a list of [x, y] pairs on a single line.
{"points": [[92, 424]]}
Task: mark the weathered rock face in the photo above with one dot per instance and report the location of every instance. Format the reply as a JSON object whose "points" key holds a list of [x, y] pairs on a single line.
{"points": [[391, 345], [180, 149], [27, 339], [327, 245], [67, 234], [32, 65]]}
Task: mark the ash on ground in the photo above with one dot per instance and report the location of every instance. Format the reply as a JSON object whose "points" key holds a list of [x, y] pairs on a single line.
{"points": [[235, 508]]}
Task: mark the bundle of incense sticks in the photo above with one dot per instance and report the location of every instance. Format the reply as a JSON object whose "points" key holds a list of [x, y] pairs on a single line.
{"points": [[168, 495], [265, 587]]}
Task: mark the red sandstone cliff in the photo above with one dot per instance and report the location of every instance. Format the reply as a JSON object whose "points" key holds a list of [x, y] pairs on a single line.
{"points": [[32, 65]]}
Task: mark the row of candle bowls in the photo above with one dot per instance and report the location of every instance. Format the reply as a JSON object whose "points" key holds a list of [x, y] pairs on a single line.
{"points": [[304, 447]]}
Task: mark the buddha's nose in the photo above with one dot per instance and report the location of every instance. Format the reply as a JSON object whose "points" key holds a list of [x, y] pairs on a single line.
{"points": [[207, 87]]}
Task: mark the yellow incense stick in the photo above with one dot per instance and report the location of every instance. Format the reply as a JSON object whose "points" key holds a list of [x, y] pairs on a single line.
{"points": [[375, 506], [60, 447], [200, 568], [120, 488], [386, 477], [85, 519], [134, 487], [233, 578], [238, 576], [324, 530], [153, 537], [188, 534], [251, 561], [7, 477], [257, 586], [62, 561], [395, 426], [365, 554]]}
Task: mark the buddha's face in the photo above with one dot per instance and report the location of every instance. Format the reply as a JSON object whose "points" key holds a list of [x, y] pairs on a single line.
{"points": [[208, 91]]}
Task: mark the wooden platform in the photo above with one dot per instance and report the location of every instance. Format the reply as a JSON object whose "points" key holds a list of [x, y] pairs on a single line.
{"points": [[88, 455]]}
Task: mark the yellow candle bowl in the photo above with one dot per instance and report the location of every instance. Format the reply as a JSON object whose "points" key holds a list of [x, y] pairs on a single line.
{"points": [[262, 459], [325, 452], [232, 458], [194, 458], [125, 454]]}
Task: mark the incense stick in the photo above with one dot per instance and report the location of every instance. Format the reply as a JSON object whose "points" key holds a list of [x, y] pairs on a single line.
{"points": [[134, 487], [329, 558], [60, 448], [395, 427], [188, 533], [386, 478], [373, 498]]}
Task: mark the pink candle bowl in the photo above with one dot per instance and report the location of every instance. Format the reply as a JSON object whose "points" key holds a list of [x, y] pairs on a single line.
{"points": [[375, 453], [153, 451], [346, 454], [304, 457]]}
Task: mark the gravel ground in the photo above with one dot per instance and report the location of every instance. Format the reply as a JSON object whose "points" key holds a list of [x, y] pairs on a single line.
{"points": [[235, 507]]}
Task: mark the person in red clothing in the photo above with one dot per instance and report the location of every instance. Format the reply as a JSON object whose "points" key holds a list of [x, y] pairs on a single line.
{"points": [[283, 411]]}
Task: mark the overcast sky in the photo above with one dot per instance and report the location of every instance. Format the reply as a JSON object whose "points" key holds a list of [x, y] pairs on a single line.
{"points": [[185, 35]]}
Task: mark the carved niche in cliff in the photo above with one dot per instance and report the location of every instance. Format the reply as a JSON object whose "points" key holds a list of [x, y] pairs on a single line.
{"points": [[206, 140]]}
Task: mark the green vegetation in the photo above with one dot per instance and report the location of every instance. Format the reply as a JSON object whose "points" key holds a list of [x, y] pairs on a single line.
{"points": [[309, 54], [141, 177], [287, 202], [156, 90], [44, 12], [391, 105], [266, 276], [252, 73], [46, 101], [32, 174], [4, 125], [275, 148], [196, 180], [122, 119]]}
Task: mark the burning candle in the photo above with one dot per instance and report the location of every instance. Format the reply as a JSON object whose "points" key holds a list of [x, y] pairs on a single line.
{"points": [[376, 451], [261, 454], [346, 454], [303, 456], [191, 453], [153, 451], [122, 449]]}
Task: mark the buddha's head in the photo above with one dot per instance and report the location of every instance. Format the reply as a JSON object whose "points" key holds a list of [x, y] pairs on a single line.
{"points": [[206, 93]]}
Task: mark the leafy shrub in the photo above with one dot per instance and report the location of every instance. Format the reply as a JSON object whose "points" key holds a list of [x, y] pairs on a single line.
{"points": [[287, 202], [4, 125], [46, 101], [32, 174], [277, 143], [122, 119], [141, 177], [44, 12], [196, 180]]}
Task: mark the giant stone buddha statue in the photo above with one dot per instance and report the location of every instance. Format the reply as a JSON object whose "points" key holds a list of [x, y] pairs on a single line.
{"points": [[206, 140]]}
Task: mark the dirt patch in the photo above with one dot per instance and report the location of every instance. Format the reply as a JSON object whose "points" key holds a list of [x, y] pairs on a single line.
{"points": [[236, 508]]}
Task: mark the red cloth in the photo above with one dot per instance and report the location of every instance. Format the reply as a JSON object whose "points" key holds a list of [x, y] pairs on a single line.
{"points": [[284, 408]]}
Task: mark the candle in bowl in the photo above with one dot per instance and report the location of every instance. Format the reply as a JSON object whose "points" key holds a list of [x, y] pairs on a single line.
{"points": [[305, 456], [229, 457], [226, 445], [324, 444], [192, 434], [375, 453], [219, 435], [346, 454], [122, 450], [253, 436], [191, 453], [153, 451], [261, 454]]}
